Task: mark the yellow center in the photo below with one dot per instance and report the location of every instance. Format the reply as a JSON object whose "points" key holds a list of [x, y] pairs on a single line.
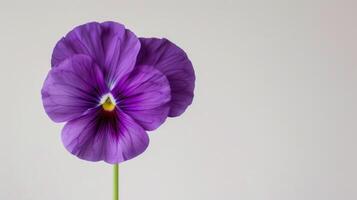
{"points": [[108, 105]]}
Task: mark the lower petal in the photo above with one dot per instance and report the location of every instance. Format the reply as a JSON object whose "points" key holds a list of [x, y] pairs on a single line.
{"points": [[110, 136]]}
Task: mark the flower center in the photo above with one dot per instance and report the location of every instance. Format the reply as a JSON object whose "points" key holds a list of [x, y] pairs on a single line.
{"points": [[108, 104]]}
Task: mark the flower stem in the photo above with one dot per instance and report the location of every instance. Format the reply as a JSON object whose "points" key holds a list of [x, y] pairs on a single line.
{"points": [[116, 182]]}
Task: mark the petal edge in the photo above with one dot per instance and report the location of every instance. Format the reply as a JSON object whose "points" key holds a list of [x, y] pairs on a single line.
{"points": [[173, 62]]}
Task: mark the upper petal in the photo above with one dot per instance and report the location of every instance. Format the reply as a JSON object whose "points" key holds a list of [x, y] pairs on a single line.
{"points": [[110, 136], [112, 47], [145, 96], [121, 49], [173, 62], [84, 39], [71, 88]]}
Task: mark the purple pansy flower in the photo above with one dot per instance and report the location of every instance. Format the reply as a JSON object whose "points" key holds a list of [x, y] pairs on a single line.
{"points": [[111, 87]]}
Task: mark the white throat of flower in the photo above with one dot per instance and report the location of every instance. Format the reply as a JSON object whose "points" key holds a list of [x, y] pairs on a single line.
{"points": [[108, 102]]}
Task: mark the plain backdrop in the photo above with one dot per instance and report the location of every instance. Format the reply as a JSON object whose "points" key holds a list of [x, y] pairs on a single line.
{"points": [[274, 115]]}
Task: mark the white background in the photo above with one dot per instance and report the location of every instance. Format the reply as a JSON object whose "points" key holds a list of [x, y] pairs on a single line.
{"points": [[274, 116]]}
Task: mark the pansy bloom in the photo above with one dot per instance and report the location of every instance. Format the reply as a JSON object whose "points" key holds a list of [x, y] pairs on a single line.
{"points": [[111, 87]]}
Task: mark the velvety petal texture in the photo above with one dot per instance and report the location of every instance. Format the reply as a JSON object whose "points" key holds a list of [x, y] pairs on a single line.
{"points": [[72, 88], [113, 137], [145, 96], [173, 62], [111, 87], [111, 46]]}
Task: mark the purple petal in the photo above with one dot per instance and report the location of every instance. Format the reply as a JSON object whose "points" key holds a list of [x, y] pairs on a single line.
{"points": [[84, 39], [121, 50], [174, 63], [145, 96], [113, 48], [110, 136], [73, 87]]}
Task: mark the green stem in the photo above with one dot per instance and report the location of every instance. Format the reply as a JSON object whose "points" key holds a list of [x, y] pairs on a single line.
{"points": [[116, 182]]}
